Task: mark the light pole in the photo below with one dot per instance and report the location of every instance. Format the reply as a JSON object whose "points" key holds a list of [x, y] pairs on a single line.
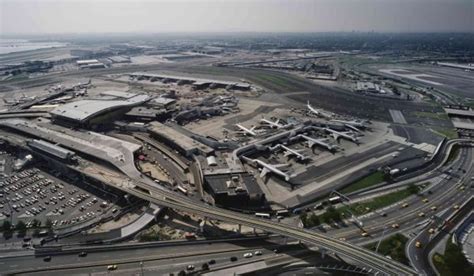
{"points": [[380, 241]]}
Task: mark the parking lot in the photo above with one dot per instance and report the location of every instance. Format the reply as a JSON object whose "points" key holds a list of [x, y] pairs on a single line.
{"points": [[35, 195]]}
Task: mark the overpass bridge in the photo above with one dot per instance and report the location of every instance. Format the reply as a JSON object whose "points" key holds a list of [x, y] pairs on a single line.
{"points": [[131, 181]]}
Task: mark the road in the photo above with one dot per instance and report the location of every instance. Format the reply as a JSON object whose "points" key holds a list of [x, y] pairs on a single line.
{"points": [[156, 259], [420, 257], [165, 198], [362, 256], [443, 195]]}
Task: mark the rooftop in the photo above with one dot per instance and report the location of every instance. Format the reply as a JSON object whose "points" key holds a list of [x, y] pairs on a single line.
{"points": [[86, 109]]}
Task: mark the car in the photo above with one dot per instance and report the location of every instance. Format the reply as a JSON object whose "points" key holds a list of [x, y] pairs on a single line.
{"points": [[111, 267], [395, 225], [456, 207], [462, 188], [258, 253], [190, 267], [431, 230], [211, 262], [342, 239], [421, 214], [248, 255], [47, 258], [233, 259], [418, 244], [404, 205], [365, 234], [425, 200], [434, 208], [83, 254]]}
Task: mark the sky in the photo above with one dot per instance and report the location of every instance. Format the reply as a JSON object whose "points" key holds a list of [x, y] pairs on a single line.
{"points": [[162, 16]]}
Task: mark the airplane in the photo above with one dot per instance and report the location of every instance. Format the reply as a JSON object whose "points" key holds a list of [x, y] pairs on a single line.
{"points": [[272, 124], [246, 131], [346, 135], [320, 142], [266, 168], [318, 112], [357, 124], [291, 152], [10, 102]]}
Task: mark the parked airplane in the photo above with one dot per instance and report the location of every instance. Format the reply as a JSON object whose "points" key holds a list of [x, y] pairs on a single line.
{"points": [[22, 99], [273, 124], [320, 142], [290, 152], [266, 168], [346, 135], [317, 112], [359, 125], [246, 131]]}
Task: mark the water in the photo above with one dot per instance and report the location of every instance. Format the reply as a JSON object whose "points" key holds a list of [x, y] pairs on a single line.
{"points": [[21, 45]]}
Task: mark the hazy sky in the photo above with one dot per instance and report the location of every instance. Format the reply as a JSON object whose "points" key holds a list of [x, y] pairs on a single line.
{"points": [[84, 16]]}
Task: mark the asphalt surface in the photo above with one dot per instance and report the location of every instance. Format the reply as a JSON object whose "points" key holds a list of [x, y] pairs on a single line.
{"points": [[156, 259]]}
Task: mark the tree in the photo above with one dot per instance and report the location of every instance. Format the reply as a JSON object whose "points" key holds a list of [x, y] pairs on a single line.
{"points": [[205, 267], [7, 226], [21, 228], [36, 223], [7, 229], [314, 219], [412, 188], [182, 273], [303, 218]]}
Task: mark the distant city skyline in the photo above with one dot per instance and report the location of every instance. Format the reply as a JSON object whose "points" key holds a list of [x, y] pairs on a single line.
{"points": [[163, 16]]}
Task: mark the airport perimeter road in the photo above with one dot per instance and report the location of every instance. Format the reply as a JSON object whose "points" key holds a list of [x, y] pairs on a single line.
{"points": [[420, 257], [155, 255]]}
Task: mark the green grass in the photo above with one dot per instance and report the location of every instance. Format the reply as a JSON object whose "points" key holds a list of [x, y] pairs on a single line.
{"points": [[393, 246], [368, 206], [437, 116], [470, 104], [368, 181], [453, 154], [453, 262], [449, 133]]}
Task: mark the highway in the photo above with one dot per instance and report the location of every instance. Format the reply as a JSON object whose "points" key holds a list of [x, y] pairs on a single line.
{"points": [[365, 257], [156, 257], [162, 197], [420, 257], [443, 194]]}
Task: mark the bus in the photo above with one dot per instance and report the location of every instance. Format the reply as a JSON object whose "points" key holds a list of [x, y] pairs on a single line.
{"points": [[262, 215], [335, 199], [282, 213], [182, 189]]}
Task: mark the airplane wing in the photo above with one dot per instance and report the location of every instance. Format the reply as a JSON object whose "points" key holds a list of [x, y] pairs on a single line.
{"points": [[264, 172]]}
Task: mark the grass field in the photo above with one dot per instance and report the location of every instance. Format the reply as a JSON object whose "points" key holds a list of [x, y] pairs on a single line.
{"points": [[449, 133], [368, 181], [393, 246], [377, 203], [439, 116]]}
